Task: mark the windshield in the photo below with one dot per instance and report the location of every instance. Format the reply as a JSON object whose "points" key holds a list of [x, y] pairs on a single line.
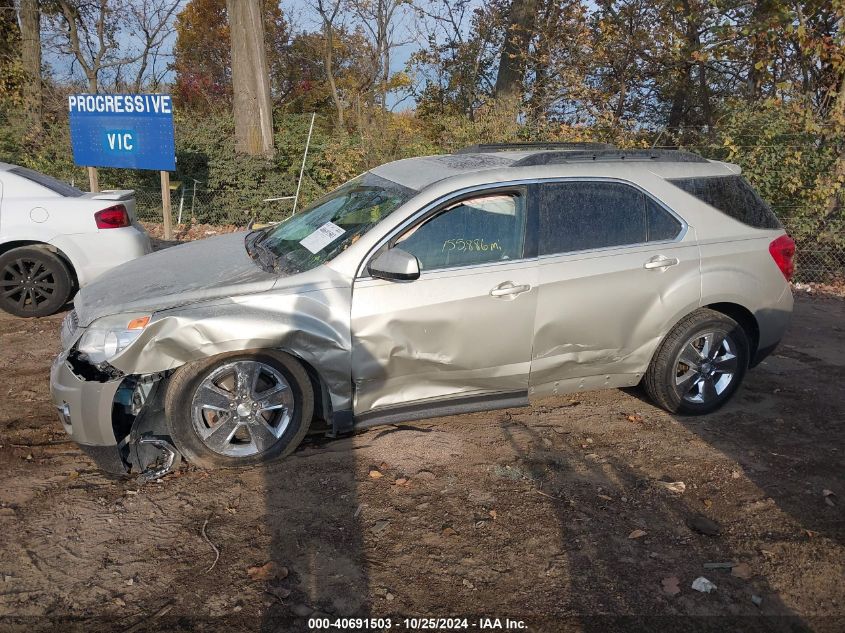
{"points": [[333, 223]]}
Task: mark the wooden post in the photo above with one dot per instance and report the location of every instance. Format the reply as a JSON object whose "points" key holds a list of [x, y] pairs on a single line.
{"points": [[165, 205], [93, 179]]}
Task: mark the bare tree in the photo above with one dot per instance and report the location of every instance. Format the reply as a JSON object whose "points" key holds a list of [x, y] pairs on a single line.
{"points": [[30, 24], [329, 11], [380, 19], [111, 37], [152, 21], [250, 78]]}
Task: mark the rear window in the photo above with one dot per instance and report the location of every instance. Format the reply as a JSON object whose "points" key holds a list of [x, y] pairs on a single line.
{"points": [[48, 182], [733, 196]]}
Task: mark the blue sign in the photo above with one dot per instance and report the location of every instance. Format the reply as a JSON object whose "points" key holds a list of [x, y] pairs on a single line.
{"points": [[133, 131]]}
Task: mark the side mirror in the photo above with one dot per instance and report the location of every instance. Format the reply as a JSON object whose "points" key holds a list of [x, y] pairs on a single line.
{"points": [[394, 264]]}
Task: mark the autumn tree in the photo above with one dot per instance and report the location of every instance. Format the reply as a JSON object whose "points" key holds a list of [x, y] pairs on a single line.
{"points": [[30, 56], [202, 56]]}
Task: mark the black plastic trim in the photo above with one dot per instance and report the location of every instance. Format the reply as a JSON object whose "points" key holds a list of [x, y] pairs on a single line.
{"points": [[609, 155], [486, 148], [441, 408]]}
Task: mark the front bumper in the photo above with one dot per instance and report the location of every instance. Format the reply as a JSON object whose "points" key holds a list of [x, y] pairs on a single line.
{"points": [[86, 411]]}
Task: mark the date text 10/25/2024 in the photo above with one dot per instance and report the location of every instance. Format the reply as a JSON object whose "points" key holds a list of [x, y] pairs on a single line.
{"points": [[418, 624]]}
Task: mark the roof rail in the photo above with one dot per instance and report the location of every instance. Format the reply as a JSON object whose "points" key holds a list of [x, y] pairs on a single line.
{"points": [[515, 147], [641, 155]]}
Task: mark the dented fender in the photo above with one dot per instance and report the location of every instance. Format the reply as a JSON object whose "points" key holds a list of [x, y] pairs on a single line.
{"points": [[312, 325]]}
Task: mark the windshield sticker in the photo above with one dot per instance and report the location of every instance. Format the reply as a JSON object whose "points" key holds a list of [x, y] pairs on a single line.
{"points": [[322, 237]]}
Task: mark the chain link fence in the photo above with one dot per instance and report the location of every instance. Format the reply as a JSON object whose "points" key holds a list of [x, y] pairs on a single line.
{"points": [[199, 213]]}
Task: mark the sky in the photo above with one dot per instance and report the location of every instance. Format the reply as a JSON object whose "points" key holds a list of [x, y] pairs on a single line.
{"points": [[300, 15]]}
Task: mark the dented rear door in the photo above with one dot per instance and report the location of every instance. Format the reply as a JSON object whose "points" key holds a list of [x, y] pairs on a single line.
{"points": [[616, 270]]}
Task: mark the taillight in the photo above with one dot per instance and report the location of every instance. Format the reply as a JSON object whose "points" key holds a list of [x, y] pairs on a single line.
{"points": [[115, 217], [783, 252]]}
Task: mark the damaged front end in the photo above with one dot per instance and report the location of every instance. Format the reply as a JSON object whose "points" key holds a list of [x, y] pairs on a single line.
{"points": [[117, 420]]}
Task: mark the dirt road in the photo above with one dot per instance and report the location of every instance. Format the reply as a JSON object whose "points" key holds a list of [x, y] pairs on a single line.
{"points": [[555, 514]]}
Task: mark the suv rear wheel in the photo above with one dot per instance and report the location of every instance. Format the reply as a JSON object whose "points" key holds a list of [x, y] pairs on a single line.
{"points": [[699, 365], [239, 409], [34, 282]]}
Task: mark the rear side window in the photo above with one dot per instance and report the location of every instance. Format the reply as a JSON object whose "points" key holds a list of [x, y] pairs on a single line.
{"points": [[578, 216], [48, 182], [733, 196]]}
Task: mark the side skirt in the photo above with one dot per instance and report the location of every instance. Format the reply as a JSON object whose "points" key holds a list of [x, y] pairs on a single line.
{"points": [[441, 408]]}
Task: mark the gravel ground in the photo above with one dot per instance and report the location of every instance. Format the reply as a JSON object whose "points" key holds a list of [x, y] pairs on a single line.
{"points": [[559, 514]]}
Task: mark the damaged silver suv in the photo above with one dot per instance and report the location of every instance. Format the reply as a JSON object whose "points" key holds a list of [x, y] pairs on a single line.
{"points": [[431, 286]]}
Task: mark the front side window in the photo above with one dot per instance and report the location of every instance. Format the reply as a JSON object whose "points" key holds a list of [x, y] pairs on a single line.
{"points": [[579, 216], [331, 224], [479, 230]]}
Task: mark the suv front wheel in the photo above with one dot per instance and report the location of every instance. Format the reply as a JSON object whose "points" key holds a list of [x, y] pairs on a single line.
{"points": [[239, 409], [699, 365]]}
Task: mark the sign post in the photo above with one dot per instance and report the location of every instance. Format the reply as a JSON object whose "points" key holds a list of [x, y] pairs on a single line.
{"points": [[129, 131], [93, 179], [165, 205]]}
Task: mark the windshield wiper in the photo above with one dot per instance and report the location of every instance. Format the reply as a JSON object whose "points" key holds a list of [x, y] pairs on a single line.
{"points": [[258, 251]]}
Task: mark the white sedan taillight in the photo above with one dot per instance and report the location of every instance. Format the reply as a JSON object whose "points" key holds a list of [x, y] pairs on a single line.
{"points": [[115, 217]]}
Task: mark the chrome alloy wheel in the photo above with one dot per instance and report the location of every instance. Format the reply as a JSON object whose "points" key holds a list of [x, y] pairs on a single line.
{"points": [[706, 367], [242, 408]]}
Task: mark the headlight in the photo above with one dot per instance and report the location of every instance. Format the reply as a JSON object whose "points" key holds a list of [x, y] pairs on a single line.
{"points": [[105, 338]]}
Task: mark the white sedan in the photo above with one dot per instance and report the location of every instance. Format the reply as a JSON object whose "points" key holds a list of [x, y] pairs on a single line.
{"points": [[55, 239]]}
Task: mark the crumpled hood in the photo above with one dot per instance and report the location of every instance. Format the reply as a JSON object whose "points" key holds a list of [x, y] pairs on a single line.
{"points": [[196, 271]]}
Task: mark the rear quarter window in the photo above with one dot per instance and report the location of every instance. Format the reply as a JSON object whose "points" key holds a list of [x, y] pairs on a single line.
{"points": [[733, 196], [48, 182]]}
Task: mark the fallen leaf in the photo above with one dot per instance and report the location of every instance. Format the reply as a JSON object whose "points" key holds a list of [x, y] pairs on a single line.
{"points": [[671, 585], [708, 503], [742, 570], [634, 417], [268, 571], [810, 533], [605, 497], [677, 487], [492, 513], [375, 474], [637, 534]]}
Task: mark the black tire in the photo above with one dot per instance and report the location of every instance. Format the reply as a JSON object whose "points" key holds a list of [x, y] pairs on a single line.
{"points": [[34, 282], [667, 367], [179, 409]]}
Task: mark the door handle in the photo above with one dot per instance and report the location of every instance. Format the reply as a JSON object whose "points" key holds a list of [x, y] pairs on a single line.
{"points": [[661, 262], [509, 289]]}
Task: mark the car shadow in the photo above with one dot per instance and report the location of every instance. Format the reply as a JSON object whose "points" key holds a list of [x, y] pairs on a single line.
{"points": [[619, 572], [312, 516]]}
